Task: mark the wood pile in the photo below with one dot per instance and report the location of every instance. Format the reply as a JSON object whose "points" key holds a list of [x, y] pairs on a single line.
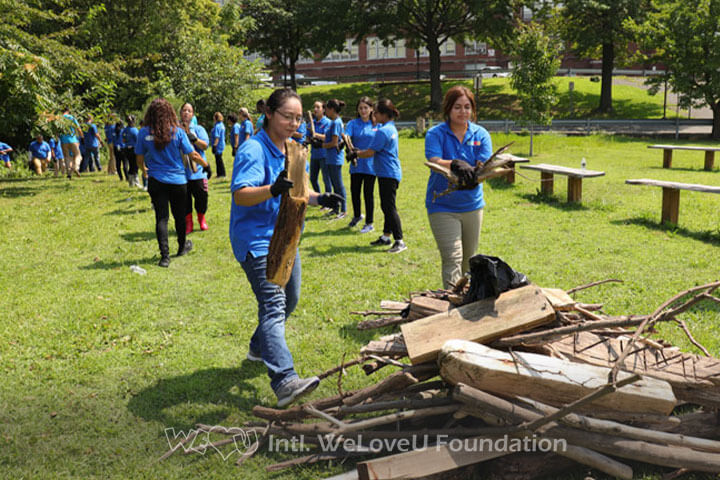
{"points": [[526, 385]]}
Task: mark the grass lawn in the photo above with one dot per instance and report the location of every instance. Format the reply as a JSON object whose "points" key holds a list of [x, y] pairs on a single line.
{"points": [[98, 361]]}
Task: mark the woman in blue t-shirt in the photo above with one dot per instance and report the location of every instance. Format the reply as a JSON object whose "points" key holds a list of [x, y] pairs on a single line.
{"points": [[258, 182], [317, 155], [456, 218], [246, 127], [217, 140], [197, 186], [334, 155], [361, 131], [121, 163], [129, 139], [386, 163], [159, 151]]}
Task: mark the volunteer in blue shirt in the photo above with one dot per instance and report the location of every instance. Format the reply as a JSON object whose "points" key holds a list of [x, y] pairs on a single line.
{"points": [[386, 163], [335, 158], [129, 139], [70, 141], [110, 144], [217, 140], [456, 218], [258, 180], [317, 156], [246, 127], [300, 133], [5, 150], [121, 163], [197, 186], [57, 156], [234, 128], [92, 143], [362, 176], [159, 149], [260, 109], [40, 153]]}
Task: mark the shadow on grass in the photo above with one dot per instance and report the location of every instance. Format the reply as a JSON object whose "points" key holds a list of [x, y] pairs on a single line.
{"points": [[193, 393], [138, 236], [553, 201], [700, 168], [331, 250], [128, 211], [102, 265], [499, 183], [333, 232], [707, 236], [15, 192]]}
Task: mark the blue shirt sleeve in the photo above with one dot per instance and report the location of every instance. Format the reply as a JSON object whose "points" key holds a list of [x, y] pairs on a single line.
{"points": [[485, 150], [140, 144], [185, 146], [379, 140], [248, 168], [433, 144]]}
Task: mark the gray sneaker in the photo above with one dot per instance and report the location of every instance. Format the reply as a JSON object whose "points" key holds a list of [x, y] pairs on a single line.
{"points": [[294, 389], [398, 247], [253, 356]]}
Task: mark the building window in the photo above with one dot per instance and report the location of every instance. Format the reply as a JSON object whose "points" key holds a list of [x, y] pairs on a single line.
{"points": [[376, 50], [473, 47], [348, 54], [447, 49], [304, 60]]}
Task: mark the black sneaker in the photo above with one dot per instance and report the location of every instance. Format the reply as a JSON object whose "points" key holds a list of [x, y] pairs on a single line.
{"points": [[164, 262], [355, 221], [294, 389], [186, 249], [398, 247], [380, 242]]}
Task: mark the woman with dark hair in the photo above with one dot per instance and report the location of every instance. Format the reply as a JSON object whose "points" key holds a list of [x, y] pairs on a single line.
{"points": [[258, 180], [129, 139], [317, 156], [159, 152], [362, 175], [197, 185], [234, 127], [386, 163], [335, 156], [456, 218], [260, 108], [121, 163], [217, 139]]}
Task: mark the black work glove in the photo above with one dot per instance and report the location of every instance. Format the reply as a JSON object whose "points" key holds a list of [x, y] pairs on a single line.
{"points": [[192, 137], [465, 173], [316, 143], [281, 185], [332, 201], [352, 156]]}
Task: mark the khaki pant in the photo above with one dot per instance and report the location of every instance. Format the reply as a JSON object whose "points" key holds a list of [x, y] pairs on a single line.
{"points": [[111, 162], [39, 165], [71, 152], [456, 235]]}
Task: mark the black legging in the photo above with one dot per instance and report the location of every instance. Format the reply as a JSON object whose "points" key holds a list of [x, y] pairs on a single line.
{"points": [[131, 160], [366, 183], [121, 164], [176, 195], [220, 165], [388, 191], [198, 189]]}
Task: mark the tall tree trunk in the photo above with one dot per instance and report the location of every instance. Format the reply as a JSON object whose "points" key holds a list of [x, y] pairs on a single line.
{"points": [[293, 83], [435, 84], [716, 120], [608, 62]]}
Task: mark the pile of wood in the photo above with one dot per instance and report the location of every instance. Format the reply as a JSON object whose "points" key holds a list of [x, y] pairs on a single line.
{"points": [[525, 385]]}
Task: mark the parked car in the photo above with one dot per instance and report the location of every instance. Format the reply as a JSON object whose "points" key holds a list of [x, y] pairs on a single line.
{"points": [[493, 72]]}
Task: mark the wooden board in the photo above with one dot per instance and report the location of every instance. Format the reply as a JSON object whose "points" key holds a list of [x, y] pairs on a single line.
{"points": [[288, 226], [686, 147], [679, 186], [549, 380], [559, 299], [422, 306], [557, 169], [391, 345], [483, 321]]}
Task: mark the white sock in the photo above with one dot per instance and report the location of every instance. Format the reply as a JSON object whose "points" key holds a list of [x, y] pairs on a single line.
{"points": [[384, 238]]}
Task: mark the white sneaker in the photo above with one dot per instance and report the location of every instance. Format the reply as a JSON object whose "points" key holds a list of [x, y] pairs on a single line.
{"points": [[367, 228]]}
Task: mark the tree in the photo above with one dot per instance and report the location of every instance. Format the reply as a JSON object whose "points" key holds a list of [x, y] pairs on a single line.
{"points": [[537, 58], [685, 37], [430, 23], [599, 27]]}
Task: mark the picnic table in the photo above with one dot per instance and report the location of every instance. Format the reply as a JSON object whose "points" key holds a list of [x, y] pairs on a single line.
{"points": [[575, 177], [671, 195], [668, 152], [512, 160]]}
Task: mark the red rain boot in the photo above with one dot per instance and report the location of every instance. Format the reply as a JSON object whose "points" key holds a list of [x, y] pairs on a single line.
{"points": [[202, 222], [188, 223]]}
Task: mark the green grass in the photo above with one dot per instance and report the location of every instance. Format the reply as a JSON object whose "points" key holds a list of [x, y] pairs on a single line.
{"points": [[97, 361]]}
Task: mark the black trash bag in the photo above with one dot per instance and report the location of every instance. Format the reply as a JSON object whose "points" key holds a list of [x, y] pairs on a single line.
{"points": [[490, 276]]}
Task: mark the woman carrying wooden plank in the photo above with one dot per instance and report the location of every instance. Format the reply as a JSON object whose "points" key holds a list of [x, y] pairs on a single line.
{"points": [[258, 180], [361, 131], [456, 218]]}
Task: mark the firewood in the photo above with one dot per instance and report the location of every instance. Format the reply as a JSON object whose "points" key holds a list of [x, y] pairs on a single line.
{"points": [[592, 284], [381, 322], [394, 382]]}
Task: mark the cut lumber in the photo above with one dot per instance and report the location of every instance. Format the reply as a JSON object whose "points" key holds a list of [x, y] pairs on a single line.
{"points": [[393, 305], [291, 217], [547, 379], [389, 345], [482, 321], [422, 306], [559, 299]]}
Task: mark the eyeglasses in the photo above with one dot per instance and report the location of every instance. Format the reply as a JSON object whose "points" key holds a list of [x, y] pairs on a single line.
{"points": [[290, 117]]}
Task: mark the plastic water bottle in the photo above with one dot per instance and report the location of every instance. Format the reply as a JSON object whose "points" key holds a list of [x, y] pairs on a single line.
{"points": [[583, 163], [138, 269]]}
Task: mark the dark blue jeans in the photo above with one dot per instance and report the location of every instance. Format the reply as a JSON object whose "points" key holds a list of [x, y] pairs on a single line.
{"points": [[91, 160], [316, 166], [336, 179], [275, 305]]}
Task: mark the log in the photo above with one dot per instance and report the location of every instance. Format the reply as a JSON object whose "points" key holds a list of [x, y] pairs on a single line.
{"points": [[482, 321], [559, 300], [394, 382], [291, 217], [423, 306], [547, 379], [381, 322], [389, 345]]}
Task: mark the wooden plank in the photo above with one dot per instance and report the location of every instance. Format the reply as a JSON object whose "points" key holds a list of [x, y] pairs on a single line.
{"points": [[393, 305], [670, 205], [547, 183], [667, 158], [483, 321], [426, 461], [559, 299], [709, 160], [392, 345], [422, 306], [557, 169], [574, 190], [547, 379], [289, 223], [686, 147], [695, 187]]}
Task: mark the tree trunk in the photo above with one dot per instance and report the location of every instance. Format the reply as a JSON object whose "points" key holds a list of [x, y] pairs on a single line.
{"points": [[435, 83], [608, 61], [293, 83], [716, 120]]}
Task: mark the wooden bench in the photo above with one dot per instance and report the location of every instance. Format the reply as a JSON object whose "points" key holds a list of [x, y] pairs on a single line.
{"points": [[671, 195], [510, 176], [575, 176], [668, 151]]}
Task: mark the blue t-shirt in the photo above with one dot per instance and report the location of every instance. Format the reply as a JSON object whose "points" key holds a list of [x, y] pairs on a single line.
{"points": [[321, 127], [71, 136], [109, 133], [40, 150], [260, 123], [302, 130], [258, 162], [246, 128], [56, 148], [117, 137], [332, 156], [5, 157], [218, 132], [235, 134], [129, 137], [385, 145], [165, 165], [90, 138], [475, 148], [201, 134], [361, 133]]}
